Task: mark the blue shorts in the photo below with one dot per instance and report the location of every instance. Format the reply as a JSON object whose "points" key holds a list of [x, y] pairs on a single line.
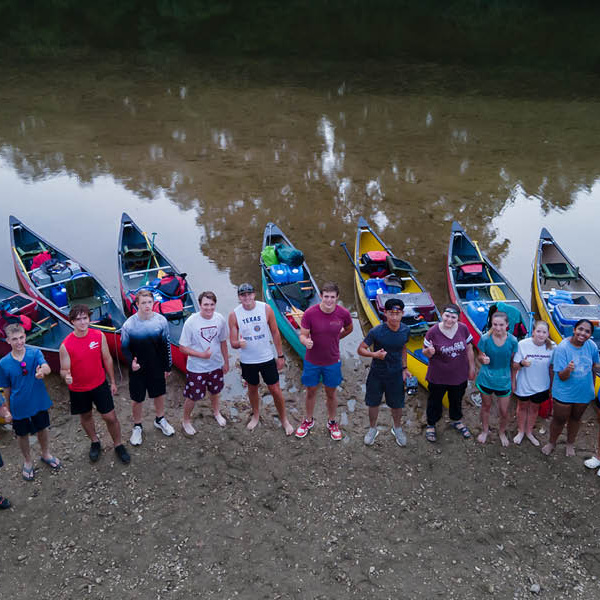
{"points": [[331, 375]]}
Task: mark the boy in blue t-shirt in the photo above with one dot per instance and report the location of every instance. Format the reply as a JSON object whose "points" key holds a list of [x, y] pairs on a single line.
{"points": [[21, 374]]}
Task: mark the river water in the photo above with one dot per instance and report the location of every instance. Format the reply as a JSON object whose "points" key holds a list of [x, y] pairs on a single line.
{"points": [[206, 155]]}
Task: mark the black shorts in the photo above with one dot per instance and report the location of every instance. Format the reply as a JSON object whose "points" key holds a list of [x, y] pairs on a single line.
{"points": [[392, 387], [140, 383], [268, 370], [31, 425], [490, 391], [535, 398], [100, 397]]}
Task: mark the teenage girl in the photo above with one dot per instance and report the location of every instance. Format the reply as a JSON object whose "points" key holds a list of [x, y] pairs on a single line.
{"points": [[496, 350], [574, 362], [533, 369]]}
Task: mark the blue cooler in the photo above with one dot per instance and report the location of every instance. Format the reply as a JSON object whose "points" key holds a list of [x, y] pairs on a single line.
{"points": [[478, 313], [58, 294], [280, 273], [566, 315], [373, 285], [559, 297]]}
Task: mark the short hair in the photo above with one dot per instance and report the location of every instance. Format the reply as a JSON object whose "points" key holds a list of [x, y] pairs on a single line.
{"points": [[330, 286], [142, 294], [209, 295], [77, 310], [500, 314], [13, 329]]}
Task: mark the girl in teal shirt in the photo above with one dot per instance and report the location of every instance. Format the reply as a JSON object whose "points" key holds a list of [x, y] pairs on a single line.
{"points": [[496, 350]]}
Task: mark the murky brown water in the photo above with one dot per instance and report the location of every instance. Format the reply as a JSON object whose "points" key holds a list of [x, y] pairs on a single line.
{"points": [[207, 155]]}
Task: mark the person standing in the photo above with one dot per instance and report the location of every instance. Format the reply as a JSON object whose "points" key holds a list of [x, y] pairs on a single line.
{"points": [[21, 373], [204, 341], [496, 351], [533, 369], [322, 327], [5, 414], [84, 364], [449, 347], [574, 362], [253, 330], [388, 370], [146, 346]]}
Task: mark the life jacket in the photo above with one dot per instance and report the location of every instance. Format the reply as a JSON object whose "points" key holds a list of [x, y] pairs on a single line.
{"points": [[40, 259], [172, 310], [7, 318], [173, 285]]}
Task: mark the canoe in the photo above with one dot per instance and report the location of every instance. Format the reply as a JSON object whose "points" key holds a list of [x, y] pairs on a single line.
{"points": [[141, 264], [476, 285], [48, 329], [392, 277], [63, 282], [561, 294], [290, 298]]}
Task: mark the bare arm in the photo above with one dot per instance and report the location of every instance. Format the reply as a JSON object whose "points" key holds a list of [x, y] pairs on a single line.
{"points": [[234, 331], [364, 350], [108, 365], [272, 322], [4, 412], [191, 352], [305, 338], [225, 353], [346, 331], [65, 363], [471, 359]]}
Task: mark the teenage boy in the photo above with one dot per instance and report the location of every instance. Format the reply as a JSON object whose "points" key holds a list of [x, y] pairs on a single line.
{"points": [[388, 370], [253, 329], [21, 373], [322, 328], [84, 364], [204, 340], [146, 346]]}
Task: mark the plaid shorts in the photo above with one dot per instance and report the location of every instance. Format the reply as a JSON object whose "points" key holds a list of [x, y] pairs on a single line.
{"points": [[196, 384]]}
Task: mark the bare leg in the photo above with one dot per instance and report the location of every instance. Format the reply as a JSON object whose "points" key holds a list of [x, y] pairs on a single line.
{"points": [[331, 402], [522, 412], [598, 419], [255, 405], [188, 407], [373, 414], [159, 407], [532, 415], [136, 411], [113, 426], [573, 423], [560, 414], [87, 423], [311, 400], [43, 439], [279, 401], [484, 414], [214, 402], [503, 404], [397, 417], [25, 450]]}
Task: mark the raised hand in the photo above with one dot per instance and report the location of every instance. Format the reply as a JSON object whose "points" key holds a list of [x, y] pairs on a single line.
{"points": [[380, 354], [135, 365]]}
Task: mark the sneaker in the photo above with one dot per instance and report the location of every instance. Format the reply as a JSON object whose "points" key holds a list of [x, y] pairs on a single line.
{"points": [[4, 503], [123, 454], [164, 426], [136, 436], [592, 463], [371, 435], [95, 451], [306, 426], [334, 431], [399, 435]]}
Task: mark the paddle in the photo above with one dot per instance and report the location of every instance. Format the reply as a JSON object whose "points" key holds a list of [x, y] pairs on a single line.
{"points": [[343, 245], [495, 292], [152, 255]]}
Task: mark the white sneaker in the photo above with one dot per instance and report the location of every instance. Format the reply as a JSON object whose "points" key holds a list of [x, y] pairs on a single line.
{"points": [[136, 436], [399, 435], [164, 426], [592, 463], [370, 436]]}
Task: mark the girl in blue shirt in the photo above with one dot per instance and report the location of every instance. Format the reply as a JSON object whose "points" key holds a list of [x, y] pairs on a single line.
{"points": [[574, 363], [496, 350]]}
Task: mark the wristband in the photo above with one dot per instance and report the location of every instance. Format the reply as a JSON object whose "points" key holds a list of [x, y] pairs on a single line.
{"points": [[281, 356]]}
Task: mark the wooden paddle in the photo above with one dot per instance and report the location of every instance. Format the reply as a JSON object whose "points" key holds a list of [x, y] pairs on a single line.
{"points": [[495, 292]]}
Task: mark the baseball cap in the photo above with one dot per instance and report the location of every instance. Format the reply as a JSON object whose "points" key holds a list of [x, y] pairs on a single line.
{"points": [[245, 288], [394, 304]]}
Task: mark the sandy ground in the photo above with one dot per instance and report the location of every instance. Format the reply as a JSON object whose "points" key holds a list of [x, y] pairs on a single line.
{"points": [[233, 514]]}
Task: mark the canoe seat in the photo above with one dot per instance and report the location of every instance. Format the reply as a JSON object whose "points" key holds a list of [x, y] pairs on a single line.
{"points": [[396, 266], [27, 251], [298, 294], [135, 258], [560, 271], [81, 290]]}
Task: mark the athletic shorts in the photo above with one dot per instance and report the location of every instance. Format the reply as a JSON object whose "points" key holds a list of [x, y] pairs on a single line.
{"points": [[392, 387], [141, 383], [331, 375], [490, 391], [535, 398], [100, 397], [268, 370], [31, 425], [196, 384]]}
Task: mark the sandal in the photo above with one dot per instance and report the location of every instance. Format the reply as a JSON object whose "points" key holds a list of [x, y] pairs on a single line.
{"points": [[52, 462], [461, 428], [430, 434], [28, 473]]}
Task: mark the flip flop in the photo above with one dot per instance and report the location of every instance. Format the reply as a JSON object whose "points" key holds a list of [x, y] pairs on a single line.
{"points": [[28, 473], [52, 462]]}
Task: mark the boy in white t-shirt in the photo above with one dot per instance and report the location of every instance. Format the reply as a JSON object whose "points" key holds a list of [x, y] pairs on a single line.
{"points": [[204, 340]]}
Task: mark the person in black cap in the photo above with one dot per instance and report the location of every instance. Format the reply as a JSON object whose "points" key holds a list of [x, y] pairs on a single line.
{"points": [[388, 370]]}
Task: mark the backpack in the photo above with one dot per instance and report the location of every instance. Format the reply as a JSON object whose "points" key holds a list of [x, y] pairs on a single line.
{"points": [[172, 310], [173, 285], [288, 255]]}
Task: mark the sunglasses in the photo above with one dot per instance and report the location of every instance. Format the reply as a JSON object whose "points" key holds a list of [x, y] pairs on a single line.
{"points": [[24, 370]]}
